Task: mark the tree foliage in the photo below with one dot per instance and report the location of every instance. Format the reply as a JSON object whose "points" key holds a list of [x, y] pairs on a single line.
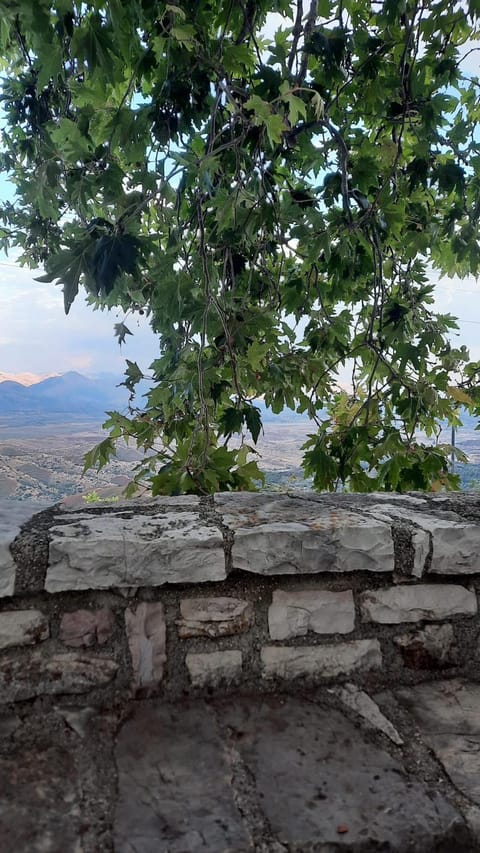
{"points": [[272, 183]]}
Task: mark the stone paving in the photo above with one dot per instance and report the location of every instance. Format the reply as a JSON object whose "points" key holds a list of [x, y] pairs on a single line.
{"points": [[325, 770], [281, 674]]}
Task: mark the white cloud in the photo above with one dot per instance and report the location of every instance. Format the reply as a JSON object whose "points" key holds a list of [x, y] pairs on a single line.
{"points": [[36, 336]]}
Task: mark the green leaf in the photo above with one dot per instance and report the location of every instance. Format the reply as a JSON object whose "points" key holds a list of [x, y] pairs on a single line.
{"points": [[120, 332], [275, 127], [231, 421], [67, 267], [100, 455], [273, 206], [185, 34], [253, 419], [71, 144], [176, 10]]}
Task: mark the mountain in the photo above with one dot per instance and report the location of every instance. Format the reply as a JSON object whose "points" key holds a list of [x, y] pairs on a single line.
{"points": [[23, 378], [70, 394]]}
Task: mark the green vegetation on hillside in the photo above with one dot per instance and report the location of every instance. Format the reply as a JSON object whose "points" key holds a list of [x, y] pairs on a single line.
{"points": [[273, 192]]}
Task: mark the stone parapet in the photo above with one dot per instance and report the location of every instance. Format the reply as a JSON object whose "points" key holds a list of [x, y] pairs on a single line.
{"points": [[171, 595]]}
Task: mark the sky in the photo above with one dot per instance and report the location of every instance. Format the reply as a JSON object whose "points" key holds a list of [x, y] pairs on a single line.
{"points": [[36, 336]]}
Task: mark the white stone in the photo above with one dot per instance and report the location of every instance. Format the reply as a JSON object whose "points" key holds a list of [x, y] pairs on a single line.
{"points": [[293, 614], [146, 632], [320, 661], [217, 616], [12, 515], [127, 504], [78, 719], [289, 535], [111, 550], [363, 705], [388, 497], [212, 668], [22, 628], [421, 548], [393, 605], [456, 543]]}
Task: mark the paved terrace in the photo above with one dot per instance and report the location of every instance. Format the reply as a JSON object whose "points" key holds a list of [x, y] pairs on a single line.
{"points": [[242, 673]]}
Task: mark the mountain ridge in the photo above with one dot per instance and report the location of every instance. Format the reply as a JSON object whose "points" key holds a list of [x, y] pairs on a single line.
{"points": [[70, 393]]}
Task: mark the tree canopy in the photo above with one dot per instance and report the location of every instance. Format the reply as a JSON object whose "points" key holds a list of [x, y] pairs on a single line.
{"points": [[274, 185]]}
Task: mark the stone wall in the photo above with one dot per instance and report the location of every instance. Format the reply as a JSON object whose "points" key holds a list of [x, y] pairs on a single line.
{"points": [[173, 595]]}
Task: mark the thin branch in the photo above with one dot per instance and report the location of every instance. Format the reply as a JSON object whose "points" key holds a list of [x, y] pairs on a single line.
{"points": [[307, 31], [296, 33]]}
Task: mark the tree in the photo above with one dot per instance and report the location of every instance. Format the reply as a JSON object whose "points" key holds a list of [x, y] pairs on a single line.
{"points": [[274, 194]]}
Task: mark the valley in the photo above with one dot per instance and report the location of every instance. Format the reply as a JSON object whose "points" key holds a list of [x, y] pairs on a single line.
{"points": [[45, 463], [46, 429]]}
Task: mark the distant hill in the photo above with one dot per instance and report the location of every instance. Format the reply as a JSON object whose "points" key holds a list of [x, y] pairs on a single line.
{"points": [[72, 395], [69, 395], [24, 378]]}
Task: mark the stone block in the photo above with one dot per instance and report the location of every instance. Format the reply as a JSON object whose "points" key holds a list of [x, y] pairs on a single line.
{"points": [[363, 705], [22, 628], [455, 542], [293, 614], [146, 632], [322, 786], [421, 548], [214, 617], [24, 678], [12, 515], [289, 535], [124, 548], [320, 661], [86, 627], [431, 648], [431, 602], [213, 668]]}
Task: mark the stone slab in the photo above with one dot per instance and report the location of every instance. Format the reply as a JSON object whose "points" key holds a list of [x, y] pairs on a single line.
{"points": [[290, 535], [323, 787], [212, 617], [448, 715], [431, 602], [362, 704], [127, 548], [295, 613], [175, 784], [24, 677], [214, 668], [12, 515], [168, 502], [22, 628], [323, 661]]}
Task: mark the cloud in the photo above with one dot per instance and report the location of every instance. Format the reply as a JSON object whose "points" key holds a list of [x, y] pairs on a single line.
{"points": [[36, 336]]}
